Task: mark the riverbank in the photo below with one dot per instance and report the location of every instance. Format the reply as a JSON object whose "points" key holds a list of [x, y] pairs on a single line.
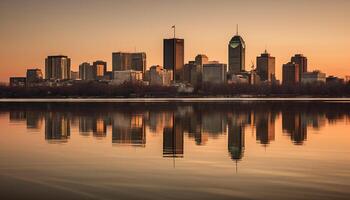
{"points": [[155, 100]]}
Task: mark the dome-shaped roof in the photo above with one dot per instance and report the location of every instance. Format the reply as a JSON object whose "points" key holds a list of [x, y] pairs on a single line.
{"points": [[236, 41]]}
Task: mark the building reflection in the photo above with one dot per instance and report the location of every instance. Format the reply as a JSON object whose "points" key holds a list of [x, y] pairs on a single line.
{"points": [[173, 139], [57, 127], [99, 128], [34, 120], [236, 134], [265, 127], [128, 129], [294, 125]]}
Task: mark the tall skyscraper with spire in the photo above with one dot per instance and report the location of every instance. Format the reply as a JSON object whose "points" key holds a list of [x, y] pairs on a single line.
{"points": [[236, 54]]}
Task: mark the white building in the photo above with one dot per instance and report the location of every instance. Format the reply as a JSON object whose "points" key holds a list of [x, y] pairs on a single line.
{"points": [[120, 77], [156, 75], [313, 77]]}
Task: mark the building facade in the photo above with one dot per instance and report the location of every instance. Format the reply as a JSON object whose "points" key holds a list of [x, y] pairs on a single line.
{"points": [[290, 74], [34, 76], [301, 60], [313, 77], [87, 72], [120, 77], [100, 68], [57, 67], [156, 75], [236, 54], [122, 61], [214, 73], [18, 81], [174, 57], [265, 66]]}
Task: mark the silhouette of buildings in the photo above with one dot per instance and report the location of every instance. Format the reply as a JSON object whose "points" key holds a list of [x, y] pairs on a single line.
{"points": [[265, 66], [174, 57], [57, 67], [290, 74]]}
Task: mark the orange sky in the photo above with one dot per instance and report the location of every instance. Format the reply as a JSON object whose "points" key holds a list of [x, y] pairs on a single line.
{"points": [[87, 30]]}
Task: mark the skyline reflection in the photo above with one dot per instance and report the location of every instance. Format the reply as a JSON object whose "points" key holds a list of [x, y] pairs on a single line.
{"points": [[130, 125]]}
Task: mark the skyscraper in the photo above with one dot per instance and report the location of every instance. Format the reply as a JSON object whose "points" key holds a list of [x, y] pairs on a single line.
{"points": [[236, 54], [122, 61], [301, 60], [173, 57], [265, 65], [57, 67], [290, 74]]}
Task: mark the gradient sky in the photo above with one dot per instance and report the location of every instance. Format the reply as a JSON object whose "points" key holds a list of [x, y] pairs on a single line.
{"points": [[87, 30]]}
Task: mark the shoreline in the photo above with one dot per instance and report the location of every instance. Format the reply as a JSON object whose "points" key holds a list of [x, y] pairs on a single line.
{"points": [[166, 100]]}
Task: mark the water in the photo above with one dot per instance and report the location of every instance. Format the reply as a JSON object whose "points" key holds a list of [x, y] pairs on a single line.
{"points": [[237, 150]]}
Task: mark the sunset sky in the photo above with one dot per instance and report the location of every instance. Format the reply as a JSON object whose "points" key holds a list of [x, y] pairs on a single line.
{"points": [[88, 30]]}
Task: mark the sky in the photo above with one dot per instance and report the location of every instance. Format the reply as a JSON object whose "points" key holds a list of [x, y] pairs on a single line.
{"points": [[89, 30]]}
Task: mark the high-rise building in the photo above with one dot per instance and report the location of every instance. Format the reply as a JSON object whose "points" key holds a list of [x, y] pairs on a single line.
{"points": [[100, 68], [301, 60], [265, 65], [57, 67], [86, 71], [173, 57], [290, 74], [236, 54], [34, 76], [122, 61]]}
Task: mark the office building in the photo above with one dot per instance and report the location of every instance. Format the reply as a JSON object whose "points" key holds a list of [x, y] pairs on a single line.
{"points": [[214, 72], [87, 72], [313, 77], [265, 66], [236, 54], [74, 75], [290, 74], [301, 60], [173, 57], [100, 69], [122, 61], [156, 75], [34, 76], [120, 77], [18, 81], [57, 67]]}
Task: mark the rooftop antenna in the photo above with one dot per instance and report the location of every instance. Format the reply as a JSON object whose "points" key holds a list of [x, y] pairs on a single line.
{"points": [[173, 27]]}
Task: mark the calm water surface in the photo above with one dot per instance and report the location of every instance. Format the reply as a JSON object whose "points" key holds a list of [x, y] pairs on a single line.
{"points": [[175, 150]]}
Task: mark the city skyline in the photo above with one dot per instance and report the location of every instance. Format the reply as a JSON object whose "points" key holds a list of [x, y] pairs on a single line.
{"points": [[29, 35]]}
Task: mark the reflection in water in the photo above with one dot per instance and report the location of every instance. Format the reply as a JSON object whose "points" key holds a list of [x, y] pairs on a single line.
{"points": [[57, 127], [199, 122]]}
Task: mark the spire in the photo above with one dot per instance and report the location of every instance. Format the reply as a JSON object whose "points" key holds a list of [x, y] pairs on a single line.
{"points": [[236, 29]]}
